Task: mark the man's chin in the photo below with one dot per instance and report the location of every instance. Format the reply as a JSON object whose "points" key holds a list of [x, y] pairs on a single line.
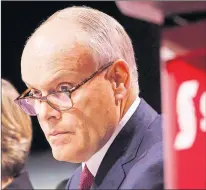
{"points": [[58, 155], [61, 154]]}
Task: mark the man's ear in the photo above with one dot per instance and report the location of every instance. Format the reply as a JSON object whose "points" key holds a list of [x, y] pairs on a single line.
{"points": [[119, 76]]}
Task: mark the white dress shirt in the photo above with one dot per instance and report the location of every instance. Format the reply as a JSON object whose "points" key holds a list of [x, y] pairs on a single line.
{"points": [[94, 162]]}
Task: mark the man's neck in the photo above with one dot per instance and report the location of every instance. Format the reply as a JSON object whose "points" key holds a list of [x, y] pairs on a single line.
{"points": [[94, 162], [125, 105]]}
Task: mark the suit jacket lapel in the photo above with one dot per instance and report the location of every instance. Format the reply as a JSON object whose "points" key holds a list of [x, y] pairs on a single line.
{"points": [[75, 180]]}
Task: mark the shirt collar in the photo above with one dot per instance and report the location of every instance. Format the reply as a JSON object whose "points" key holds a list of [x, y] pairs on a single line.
{"points": [[94, 162]]}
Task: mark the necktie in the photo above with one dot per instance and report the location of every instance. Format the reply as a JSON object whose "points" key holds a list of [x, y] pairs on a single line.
{"points": [[86, 179]]}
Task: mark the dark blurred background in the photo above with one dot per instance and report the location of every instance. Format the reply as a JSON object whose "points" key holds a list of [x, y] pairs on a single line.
{"points": [[19, 20]]}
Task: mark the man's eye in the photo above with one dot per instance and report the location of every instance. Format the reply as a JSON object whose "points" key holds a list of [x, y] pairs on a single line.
{"points": [[64, 87]]}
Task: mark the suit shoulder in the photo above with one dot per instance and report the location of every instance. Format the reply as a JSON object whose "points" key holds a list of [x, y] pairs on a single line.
{"points": [[153, 133], [147, 171]]}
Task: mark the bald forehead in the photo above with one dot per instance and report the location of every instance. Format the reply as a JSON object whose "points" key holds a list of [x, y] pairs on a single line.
{"points": [[58, 31], [59, 36], [55, 45]]}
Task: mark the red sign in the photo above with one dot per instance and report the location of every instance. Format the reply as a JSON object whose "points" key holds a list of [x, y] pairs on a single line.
{"points": [[184, 108]]}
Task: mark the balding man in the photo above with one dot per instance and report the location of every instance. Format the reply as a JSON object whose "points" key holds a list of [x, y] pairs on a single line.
{"points": [[80, 69]]}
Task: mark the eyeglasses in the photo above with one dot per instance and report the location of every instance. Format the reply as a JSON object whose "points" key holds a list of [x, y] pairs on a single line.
{"points": [[60, 100]]}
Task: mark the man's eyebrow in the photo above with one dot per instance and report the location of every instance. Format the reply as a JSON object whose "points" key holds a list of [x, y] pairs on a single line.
{"points": [[58, 79]]}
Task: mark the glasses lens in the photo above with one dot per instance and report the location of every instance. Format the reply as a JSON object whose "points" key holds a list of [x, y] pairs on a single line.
{"points": [[60, 100], [27, 105]]}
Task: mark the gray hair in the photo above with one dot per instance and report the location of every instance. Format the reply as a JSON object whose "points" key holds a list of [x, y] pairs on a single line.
{"points": [[104, 36]]}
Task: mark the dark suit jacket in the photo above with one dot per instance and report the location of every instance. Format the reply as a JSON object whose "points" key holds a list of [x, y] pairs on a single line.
{"points": [[22, 181], [135, 158]]}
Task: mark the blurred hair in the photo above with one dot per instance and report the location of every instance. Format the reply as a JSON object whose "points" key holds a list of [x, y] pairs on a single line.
{"points": [[16, 133]]}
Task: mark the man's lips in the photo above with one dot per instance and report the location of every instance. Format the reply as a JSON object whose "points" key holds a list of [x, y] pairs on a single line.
{"points": [[59, 137], [55, 132]]}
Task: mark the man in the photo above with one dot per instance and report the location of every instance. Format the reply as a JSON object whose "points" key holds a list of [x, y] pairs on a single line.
{"points": [[82, 80]]}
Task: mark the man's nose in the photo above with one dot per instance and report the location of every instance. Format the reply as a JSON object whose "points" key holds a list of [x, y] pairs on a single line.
{"points": [[46, 112]]}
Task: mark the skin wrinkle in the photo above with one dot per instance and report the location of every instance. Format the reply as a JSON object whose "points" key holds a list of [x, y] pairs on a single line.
{"points": [[83, 124]]}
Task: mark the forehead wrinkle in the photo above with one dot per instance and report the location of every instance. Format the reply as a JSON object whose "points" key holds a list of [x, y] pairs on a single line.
{"points": [[78, 54], [81, 62]]}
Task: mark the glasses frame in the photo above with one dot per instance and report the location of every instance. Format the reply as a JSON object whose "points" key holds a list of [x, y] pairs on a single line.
{"points": [[70, 91]]}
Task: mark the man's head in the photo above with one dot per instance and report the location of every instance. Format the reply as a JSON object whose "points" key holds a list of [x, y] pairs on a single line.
{"points": [[65, 50]]}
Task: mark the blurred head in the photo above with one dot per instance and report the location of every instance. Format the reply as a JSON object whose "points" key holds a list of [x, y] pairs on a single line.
{"points": [[65, 50], [16, 133]]}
